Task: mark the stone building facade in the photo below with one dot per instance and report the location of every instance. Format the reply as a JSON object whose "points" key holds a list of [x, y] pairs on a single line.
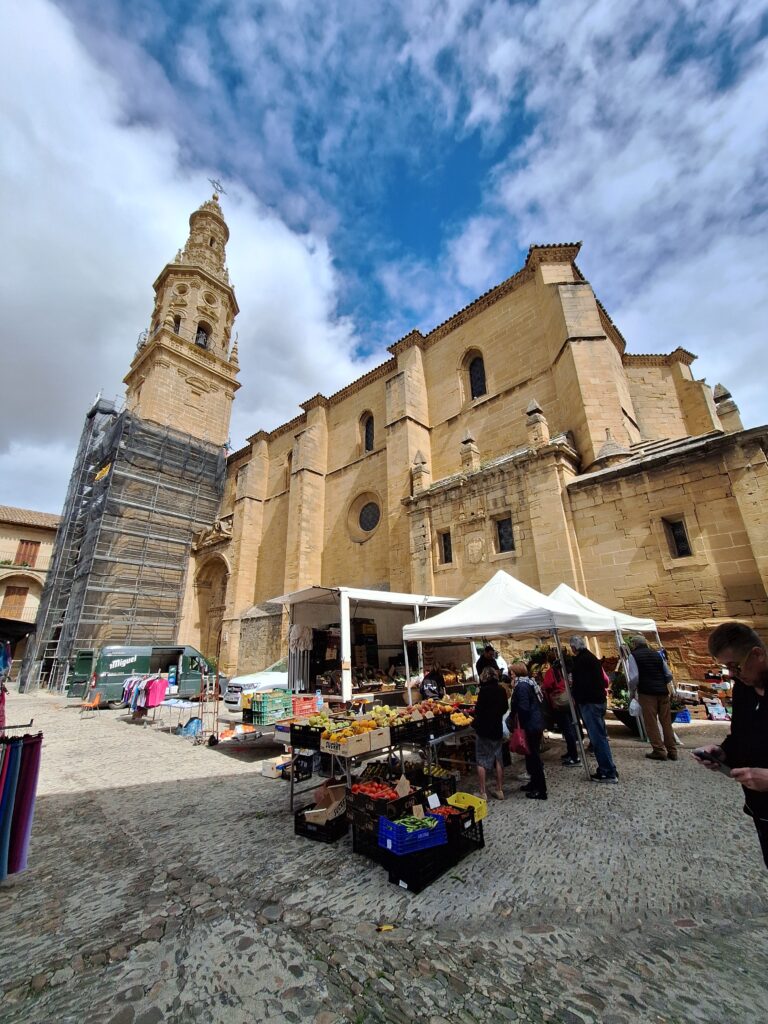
{"points": [[26, 546], [518, 434]]}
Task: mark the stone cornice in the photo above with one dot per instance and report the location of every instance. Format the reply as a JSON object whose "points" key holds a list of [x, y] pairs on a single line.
{"points": [[480, 304], [683, 450], [317, 401], [679, 355], [191, 269], [284, 428], [413, 339], [193, 355], [558, 446], [554, 252]]}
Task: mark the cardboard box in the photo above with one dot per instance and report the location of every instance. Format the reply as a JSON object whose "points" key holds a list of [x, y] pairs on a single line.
{"points": [[331, 803], [380, 738], [350, 748], [273, 767]]}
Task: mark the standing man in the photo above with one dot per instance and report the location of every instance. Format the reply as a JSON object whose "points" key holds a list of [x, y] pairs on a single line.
{"points": [[487, 660], [653, 678], [745, 750], [589, 694]]}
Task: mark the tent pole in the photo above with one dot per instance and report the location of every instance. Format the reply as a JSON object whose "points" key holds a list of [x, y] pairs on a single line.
{"points": [[407, 673], [346, 647], [574, 716]]}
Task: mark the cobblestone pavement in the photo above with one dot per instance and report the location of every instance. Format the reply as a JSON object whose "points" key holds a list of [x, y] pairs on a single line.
{"points": [[165, 884]]}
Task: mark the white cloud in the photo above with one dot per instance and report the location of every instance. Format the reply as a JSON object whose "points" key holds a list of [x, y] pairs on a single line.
{"points": [[99, 205], [655, 164]]}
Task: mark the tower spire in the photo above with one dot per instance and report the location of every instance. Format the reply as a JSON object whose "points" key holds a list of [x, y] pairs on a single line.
{"points": [[183, 374]]}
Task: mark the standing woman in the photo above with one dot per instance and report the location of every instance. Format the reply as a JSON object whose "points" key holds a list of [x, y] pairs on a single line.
{"points": [[527, 704], [490, 711]]}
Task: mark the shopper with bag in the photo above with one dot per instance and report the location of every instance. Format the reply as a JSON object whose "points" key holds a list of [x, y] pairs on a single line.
{"points": [[528, 706], [490, 711], [553, 686], [589, 693], [653, 679]]}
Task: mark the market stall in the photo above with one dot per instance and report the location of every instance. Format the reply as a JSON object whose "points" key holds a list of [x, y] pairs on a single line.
{"points": [[351, 639], [507, 607]]}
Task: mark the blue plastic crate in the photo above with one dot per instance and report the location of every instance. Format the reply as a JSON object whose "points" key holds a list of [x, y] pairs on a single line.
{"points": [[683, 717], [398, 840]]}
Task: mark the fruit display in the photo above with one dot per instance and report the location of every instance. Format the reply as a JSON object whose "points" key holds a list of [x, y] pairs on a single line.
{"points": [[320, 720], [437, 707], [358, 727], [446, 812], [375, 790], [466, 698], [460, 719]]}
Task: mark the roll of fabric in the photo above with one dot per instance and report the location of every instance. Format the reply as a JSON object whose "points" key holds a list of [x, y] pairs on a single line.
{"points": [[7, 801], [24, 806]]}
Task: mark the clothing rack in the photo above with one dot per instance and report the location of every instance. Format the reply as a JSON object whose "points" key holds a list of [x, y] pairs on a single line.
{"points": [[24, 725]]}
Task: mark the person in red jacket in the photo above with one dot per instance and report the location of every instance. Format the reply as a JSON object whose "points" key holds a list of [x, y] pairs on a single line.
{"points": [[553, 686]]}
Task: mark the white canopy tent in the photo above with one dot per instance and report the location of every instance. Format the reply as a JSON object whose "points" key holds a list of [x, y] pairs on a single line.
{"points": [[567, 595], [506, 607]]}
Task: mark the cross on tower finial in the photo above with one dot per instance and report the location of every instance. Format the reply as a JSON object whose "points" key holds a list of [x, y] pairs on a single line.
{"points": [[217, 186]]}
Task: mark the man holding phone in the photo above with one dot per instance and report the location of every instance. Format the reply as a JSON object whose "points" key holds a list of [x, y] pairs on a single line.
{"points": [[744, 753]]}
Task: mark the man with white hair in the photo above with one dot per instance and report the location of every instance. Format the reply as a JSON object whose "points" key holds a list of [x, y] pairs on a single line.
{"points": [[589, 693]]}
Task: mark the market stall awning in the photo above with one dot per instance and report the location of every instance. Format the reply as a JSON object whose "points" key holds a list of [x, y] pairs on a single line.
{"points": [[506, 606], [384, 598], [567, 595]]}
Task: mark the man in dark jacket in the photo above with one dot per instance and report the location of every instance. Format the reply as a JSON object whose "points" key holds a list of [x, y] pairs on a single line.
{"points": [[487, 660], [653, 694], [588, 691], [745, 750]]}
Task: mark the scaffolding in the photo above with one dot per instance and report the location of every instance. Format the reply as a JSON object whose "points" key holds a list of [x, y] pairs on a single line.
{"points": [[138, 494]]}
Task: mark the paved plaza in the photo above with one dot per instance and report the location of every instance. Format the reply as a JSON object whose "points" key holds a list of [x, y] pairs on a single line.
{"points": [[166, 884]]}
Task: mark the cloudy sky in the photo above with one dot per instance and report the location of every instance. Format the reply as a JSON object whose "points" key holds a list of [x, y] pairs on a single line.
{"points": [[384, 164]]}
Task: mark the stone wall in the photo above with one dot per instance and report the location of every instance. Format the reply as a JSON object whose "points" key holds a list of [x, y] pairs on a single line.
{"points": [[263, 639]]}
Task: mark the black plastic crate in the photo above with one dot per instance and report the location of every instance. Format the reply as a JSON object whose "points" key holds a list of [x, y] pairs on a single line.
{"points": [[415, 871], [301, 769], [387, 808], [306, 736], [443, 785], [365, 841], [467, 840], [407, 732], [248, 716], [326, 833], [440, 725]]}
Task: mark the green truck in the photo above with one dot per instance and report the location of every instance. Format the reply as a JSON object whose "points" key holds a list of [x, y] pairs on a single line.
{"points": [[107, 668]]}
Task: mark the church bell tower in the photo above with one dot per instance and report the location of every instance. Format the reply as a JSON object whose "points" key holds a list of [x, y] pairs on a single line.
{"points": [[184, 373]]}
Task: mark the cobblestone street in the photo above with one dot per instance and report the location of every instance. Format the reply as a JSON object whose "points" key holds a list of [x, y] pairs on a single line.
{"points": [[166, 884]]}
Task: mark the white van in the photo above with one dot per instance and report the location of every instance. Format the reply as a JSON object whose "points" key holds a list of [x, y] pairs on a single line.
{"points": [[273, 678]]}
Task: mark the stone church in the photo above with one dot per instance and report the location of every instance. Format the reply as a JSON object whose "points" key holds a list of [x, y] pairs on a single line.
{"points": [[518, 434]]}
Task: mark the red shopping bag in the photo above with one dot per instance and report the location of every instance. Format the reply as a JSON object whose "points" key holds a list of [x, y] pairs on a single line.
{"points": [[518, 743]]}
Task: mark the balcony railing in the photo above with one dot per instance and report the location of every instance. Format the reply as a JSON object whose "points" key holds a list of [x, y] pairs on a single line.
{"points": [[27, 612], [9, 563]]}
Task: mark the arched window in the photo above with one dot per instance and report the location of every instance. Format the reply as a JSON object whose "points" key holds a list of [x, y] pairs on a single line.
{"points": [[288, 468], [367, 431], [177, 325], [202, 335], [476, 371]]}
